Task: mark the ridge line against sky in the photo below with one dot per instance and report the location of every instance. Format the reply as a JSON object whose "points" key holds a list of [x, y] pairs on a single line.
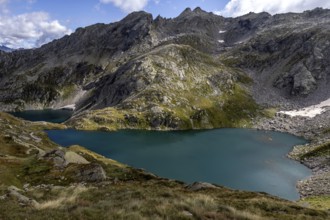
{"points": [[32, 23]]}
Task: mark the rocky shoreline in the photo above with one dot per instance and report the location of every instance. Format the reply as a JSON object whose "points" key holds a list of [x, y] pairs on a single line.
{"points": [[316, 131]]}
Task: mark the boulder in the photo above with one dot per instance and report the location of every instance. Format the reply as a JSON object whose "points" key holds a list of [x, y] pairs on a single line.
{"points": [[303, 82], [91, 173], [72, 157], [200, 185], [14, 192], [57, 157]]}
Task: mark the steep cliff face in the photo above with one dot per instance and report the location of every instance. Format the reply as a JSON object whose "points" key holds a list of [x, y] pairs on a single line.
{"points": [[289, 56], [168, 72]]}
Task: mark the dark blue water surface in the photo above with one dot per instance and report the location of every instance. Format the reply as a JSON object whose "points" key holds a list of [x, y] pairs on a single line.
{"points": [[49, 115], [237, 158]]}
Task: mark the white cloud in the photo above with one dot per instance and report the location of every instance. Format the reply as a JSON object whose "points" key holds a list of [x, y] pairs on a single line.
{"points": [[29, 30], [127, 5], [239, 7]]}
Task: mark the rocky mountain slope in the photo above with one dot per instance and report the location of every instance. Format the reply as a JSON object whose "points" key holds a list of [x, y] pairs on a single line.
{"points": [[185, 72]]}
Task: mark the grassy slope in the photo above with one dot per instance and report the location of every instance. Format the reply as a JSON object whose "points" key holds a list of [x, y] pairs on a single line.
{"points": [[126, 194], [316, 153], [206, 95]]}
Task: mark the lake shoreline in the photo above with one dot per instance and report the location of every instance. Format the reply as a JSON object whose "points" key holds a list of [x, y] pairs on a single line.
{"points": [[294, 126], [315, 131], [311, 129]]}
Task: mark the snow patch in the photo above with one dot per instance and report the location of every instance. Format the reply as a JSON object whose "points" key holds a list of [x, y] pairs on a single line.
{"points": [[70, 103], [310, 111], [69, 107], [221, 41], [221, 32]]}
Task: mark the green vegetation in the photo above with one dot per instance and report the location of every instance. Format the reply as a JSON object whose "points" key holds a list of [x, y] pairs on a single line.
{"points": [[231, 110], [326, 131], [317, 202], [155, 200], [270, 112], [33, 92], [322, 150], [240, 106], [68, 90], [230, 61]]}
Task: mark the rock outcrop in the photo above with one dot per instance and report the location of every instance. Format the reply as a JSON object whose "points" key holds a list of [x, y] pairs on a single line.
{"points": [[16, 193], [200, 185], [61, 159], [91, 173]]}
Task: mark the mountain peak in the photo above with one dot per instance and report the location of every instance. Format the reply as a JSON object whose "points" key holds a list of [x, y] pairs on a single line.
{"points": [[188, 12], [198, 10], [138, 15]]}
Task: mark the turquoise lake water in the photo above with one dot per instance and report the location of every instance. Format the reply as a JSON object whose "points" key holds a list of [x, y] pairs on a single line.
{"points": [[237, 158]]}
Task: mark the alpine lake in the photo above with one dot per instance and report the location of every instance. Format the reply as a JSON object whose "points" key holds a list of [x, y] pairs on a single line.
{"points": [[241, 159]]}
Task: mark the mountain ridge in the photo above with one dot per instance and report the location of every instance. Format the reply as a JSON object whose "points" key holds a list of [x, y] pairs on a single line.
{"points": [[70, 69], [5, 49]]}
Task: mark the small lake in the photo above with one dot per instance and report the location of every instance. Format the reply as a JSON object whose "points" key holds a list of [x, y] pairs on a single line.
{"points": [[237, 158], [49, 115]]}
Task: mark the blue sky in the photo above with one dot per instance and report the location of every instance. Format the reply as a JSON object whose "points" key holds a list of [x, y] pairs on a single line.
{"points": [[78, 13], [31, 23]]}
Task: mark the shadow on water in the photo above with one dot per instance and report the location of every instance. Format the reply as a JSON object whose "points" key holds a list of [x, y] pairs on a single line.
{"points": [[49, 115]]}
